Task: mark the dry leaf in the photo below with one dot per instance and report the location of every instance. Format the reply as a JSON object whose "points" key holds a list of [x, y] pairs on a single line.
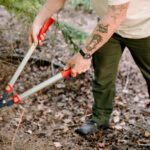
{"points": [[147, 134], [57, 144], [67, 121], [1, 118], [118, 127], [59, 115], [66, 129], [101, 145], [29, 131], [116, 113], [120, 104], [116, 119]]}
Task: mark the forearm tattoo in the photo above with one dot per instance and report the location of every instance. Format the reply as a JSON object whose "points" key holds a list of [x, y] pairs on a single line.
{"points": [[102, 28], [97, 37], [102, 31]]}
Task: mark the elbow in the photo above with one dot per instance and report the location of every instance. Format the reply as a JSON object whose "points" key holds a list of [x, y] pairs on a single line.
{"points": [[122, 18], [118, 19], [118, 13], [123, 15]]}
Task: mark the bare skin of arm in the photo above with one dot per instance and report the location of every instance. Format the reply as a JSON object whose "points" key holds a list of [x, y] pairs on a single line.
{"points": [[101, 34], [48, 9]]}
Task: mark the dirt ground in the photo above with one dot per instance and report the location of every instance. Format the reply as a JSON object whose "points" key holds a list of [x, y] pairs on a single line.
{"points": [[50, 116]]}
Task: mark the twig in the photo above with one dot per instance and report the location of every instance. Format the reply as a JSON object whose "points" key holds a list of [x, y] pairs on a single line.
{"points": [[6, 62], [137, 126], [125, 89], [14, 137], [52, 68], [147, 145], [43, 61]]}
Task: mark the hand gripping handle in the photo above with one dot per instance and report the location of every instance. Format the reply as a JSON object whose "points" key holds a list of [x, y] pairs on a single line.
{"points": [[62, 75], [66, 73], [45, 27]]}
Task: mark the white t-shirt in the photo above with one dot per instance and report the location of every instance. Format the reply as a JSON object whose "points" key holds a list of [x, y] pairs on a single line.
{"points": [[137, 23]]}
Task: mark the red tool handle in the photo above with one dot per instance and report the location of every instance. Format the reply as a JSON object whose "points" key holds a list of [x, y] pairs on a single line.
{"points": [[66, 73], [45, 27]]}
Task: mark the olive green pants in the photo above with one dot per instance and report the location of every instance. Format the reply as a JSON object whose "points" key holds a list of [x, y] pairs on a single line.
{"points": [[105, 62]]}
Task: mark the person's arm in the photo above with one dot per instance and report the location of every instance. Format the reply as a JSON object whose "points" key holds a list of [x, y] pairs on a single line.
{"points": [[48, 9], [106, 27], [102, 33]]}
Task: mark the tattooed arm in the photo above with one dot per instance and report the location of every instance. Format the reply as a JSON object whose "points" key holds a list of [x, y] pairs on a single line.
{"points": [[104, 30], [106, 27]]}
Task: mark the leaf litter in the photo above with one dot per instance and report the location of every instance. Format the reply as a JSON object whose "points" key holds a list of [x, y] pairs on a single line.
{"points": [[52, 114]]}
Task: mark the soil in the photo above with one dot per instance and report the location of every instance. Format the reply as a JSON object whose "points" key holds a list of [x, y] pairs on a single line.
{"points": [[51, 115]]}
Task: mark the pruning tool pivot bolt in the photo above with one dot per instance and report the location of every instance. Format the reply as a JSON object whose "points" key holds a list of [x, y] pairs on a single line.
{"points": [[8, 88], [16, 99]]}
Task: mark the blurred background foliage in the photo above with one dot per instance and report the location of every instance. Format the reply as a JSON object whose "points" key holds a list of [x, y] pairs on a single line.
{"points": [[29, 8], [26, 10]]}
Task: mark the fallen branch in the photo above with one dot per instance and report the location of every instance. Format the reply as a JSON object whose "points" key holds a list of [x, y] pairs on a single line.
{"points": [[37, 60], [146, 145]]}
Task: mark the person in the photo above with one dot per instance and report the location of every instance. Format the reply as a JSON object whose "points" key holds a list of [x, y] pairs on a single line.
{"points": [[123, 23]]}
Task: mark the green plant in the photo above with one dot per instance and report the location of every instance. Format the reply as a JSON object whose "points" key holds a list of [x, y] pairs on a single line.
{"points": [[26, 10], [86, 4], [23, 8], [72, 35]]}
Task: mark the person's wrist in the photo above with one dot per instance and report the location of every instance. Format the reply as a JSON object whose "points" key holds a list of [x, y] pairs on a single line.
{"points": [[40, 20], [37, 22], [84, 54]]}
